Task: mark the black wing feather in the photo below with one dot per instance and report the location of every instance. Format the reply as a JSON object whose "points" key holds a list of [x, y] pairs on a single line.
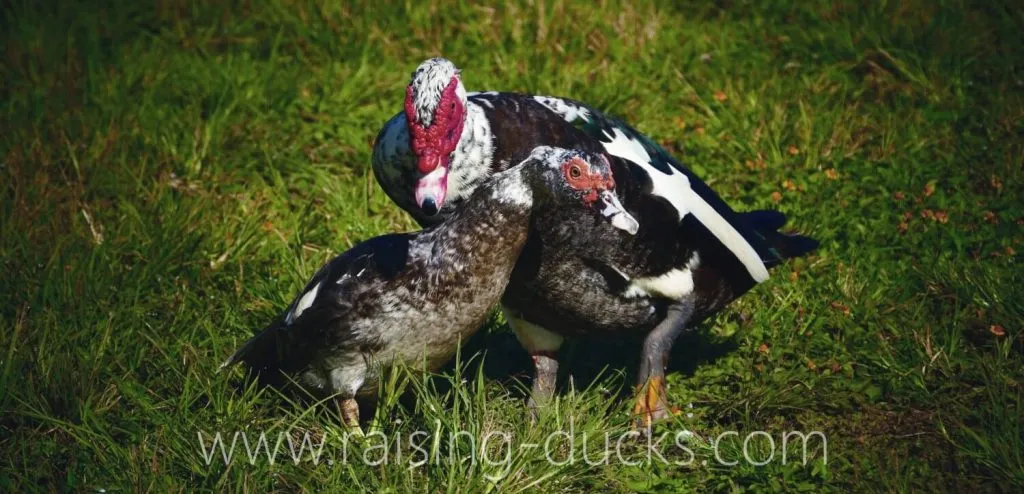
{"points": [[280, 346]]}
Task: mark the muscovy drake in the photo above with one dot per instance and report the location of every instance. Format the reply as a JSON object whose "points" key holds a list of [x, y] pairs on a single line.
{"points": [[411, 297], [692, 255]]}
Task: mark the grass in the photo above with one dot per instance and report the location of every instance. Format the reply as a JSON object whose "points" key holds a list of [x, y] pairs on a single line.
{"points": [[172, 173]]}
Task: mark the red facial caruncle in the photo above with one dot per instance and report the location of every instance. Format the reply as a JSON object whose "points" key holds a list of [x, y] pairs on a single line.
{"points": [[434, 144], [579, 176], [437, 141]]}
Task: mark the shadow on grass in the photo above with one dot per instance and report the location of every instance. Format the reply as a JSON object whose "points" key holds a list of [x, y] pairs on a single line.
{"points": [[583, 362]]}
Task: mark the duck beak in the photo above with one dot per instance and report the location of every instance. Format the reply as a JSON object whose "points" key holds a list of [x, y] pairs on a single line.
{"points": [[613, 211], [431, 190]]}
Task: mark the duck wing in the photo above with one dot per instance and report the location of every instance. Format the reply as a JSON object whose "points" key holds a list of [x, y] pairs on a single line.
{"points": [[664, 176], [316, 318]]}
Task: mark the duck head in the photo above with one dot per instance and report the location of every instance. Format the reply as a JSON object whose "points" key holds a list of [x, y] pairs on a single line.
{"points": [[435, 110], [580, 178]]}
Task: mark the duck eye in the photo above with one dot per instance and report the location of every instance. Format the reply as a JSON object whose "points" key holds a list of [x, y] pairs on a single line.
{"points": [[575, 172]]}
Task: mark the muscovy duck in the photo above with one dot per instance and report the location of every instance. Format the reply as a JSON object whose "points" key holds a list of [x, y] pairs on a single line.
{"points": [[411, 297], [692, 255]]}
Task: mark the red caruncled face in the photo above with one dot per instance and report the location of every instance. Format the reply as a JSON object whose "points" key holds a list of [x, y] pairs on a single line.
{"points": [[579, 176], [434, 144]]}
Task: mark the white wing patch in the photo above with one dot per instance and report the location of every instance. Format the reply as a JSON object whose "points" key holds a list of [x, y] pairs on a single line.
{"points": [[304, 303], [568, 111], [675, 188], [672, 285], [728, 235]]}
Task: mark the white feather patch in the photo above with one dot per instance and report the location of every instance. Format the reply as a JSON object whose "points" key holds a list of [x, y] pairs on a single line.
{"points": [[471, 161], [672, 285], [304, 302], [428, 82], [533, 337], [348, 376], [511, 188], [675, 188], [568, 111]]}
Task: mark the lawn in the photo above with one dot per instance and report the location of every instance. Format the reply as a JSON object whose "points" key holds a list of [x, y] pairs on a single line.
{"points": [[173, 171]]}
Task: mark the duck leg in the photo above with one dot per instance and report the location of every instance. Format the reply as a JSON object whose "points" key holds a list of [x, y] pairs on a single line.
{"points": [[652, 404], [349, 410], [542, 345]]}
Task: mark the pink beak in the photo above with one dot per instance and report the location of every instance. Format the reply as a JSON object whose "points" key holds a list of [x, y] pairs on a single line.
{"points": [[431, 190]]}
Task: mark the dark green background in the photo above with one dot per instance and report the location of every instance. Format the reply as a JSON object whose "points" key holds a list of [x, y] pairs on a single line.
{"points": [[173, 171]]}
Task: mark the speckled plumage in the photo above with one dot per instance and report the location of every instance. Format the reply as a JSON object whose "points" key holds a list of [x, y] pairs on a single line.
{"points": [[679, 214], [411, 297], [430, 79], [692, 255], [576, 285], [394, 163]]}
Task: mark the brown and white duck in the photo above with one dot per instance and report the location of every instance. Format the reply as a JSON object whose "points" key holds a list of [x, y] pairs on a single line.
{"points": [[692, 256], [412, 297]]}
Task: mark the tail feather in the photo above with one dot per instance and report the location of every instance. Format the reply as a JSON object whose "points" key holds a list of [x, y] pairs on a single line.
{"points": [[776, 247], [793, 245], [764, 219], [261, 354]]}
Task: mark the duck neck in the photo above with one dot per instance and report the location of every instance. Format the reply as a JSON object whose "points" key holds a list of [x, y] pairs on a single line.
{"points": [[487, 232], [472, 159]]}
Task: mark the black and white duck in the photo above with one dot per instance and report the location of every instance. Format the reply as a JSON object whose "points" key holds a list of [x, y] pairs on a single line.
{"points": [[692, 255], [412, 297]]}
